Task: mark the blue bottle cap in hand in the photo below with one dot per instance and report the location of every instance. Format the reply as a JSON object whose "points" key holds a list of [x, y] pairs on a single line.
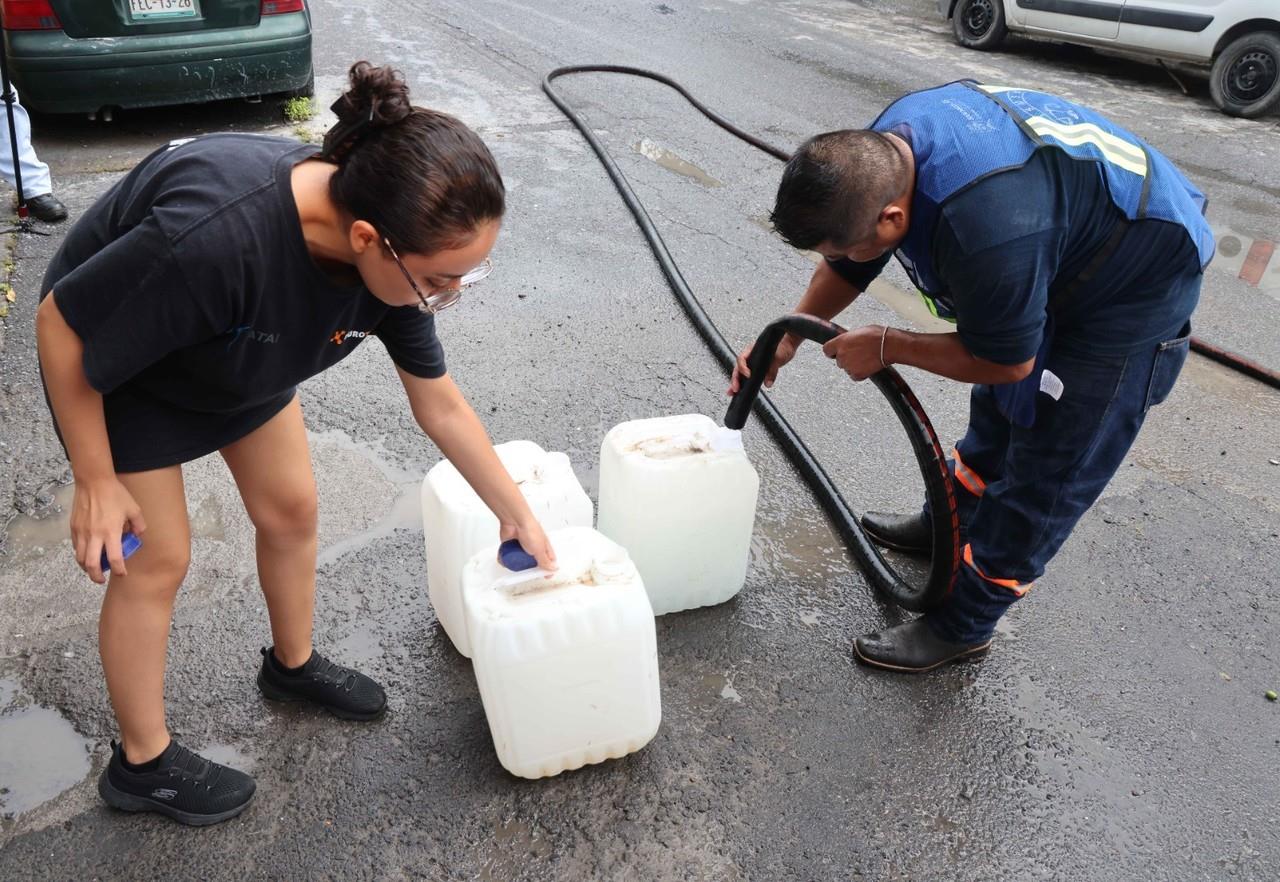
{"points": [[513, 556], [129, 543]]}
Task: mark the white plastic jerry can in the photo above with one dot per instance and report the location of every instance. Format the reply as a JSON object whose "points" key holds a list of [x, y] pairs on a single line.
{"points": [[568, 665], [680, 494], [456, 523]]}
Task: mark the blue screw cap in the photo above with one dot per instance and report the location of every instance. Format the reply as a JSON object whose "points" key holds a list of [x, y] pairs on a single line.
{"points": [[513, 556], [129, 543]]}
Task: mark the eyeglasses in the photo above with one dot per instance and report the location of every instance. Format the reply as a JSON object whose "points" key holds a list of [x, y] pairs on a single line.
{"points": [[441, 298]]}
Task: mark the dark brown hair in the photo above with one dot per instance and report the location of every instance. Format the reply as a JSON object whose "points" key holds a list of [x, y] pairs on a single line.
{"points": [[421, 177], [835, 186]]}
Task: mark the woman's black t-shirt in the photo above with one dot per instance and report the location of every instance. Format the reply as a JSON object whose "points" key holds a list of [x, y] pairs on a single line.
{"points": [[199, 306]]}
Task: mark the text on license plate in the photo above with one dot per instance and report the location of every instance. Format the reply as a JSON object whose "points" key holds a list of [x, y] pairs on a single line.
{"points": [[152, 9]]}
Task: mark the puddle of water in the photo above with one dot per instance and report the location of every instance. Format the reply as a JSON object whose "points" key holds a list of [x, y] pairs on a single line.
{"points": [[673, 163], [1068, 755], [514, 844], [43, 755], [228, 755], [362, 648], [911, 569], [29, 537], [405, 513], [207, 521], [722, 686], [378, 457]]}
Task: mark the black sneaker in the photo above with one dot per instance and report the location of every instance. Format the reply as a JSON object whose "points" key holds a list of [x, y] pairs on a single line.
{"points": [[341, 691], [185, 787]]}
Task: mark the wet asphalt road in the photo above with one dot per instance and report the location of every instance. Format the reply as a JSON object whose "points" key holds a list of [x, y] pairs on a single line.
{"points": [[1117, 731]]}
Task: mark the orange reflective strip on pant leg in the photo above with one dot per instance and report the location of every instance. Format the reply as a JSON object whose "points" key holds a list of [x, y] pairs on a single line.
{"points": [[1013, 585], [967, 476]]}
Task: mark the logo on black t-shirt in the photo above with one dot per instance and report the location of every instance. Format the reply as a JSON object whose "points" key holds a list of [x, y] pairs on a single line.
{"points": [[340, 337], [252, 334]]}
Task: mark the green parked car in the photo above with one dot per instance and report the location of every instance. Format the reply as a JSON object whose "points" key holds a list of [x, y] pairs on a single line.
{"points": [[80, 56]]}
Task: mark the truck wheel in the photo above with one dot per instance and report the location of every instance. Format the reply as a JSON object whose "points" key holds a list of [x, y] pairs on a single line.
{"points": [[979, 24], [1245, 80]]}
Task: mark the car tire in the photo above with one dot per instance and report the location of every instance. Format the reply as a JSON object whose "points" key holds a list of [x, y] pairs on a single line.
{"points": [[979, 24], [1245, 79]]}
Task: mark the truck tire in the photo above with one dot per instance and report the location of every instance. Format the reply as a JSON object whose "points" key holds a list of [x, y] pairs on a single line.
{"points": [[1245, 79]]}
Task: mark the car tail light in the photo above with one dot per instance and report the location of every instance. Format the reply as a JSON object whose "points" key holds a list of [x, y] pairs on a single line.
{"points": [[29, 15], [275, 7]]}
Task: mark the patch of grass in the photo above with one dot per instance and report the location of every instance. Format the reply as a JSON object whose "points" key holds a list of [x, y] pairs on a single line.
{"points": [[7, 294], [305, 135], [299, 110]]}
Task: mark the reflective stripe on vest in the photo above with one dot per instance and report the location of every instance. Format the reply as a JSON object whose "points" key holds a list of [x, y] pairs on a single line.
{"points": [[963, 132]]}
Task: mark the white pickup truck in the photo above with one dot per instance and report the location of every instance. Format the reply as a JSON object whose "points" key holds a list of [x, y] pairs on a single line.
{"points": [[1238, 39]]}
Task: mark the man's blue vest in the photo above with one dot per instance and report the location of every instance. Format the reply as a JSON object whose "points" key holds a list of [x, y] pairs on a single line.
{"points": [[963, 132]]}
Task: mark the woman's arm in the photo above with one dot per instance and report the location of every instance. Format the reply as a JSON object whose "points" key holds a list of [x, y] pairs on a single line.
{"points": [[103, 507], [443, 413]]}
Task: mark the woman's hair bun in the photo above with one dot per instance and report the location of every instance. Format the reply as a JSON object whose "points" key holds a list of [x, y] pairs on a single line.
{"points": [[376, 97], [421, 177], [377, 94]]}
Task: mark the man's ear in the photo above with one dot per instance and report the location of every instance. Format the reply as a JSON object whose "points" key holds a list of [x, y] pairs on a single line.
{"points": [[894, 216]]}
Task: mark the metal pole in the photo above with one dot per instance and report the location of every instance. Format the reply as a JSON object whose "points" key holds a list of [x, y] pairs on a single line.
{"points": [[9, 99]]}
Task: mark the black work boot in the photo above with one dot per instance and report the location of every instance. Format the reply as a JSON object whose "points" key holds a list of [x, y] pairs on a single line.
{"points": [[183, 786], [341, 691], [912, 534], [47, 208], [913, 648]]}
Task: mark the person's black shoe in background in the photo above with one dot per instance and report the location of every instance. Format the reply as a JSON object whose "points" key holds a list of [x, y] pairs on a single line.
{"points": [[47, 208]]}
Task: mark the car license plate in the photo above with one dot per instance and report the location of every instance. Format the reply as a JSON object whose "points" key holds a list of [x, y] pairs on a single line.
{"points": [[160, 10]]}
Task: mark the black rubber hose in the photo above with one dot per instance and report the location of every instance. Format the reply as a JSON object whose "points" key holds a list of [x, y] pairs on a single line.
{"points": [[932, 461], [1236, 362]]}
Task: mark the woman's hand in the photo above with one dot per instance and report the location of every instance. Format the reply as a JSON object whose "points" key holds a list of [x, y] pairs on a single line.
{"points": [[532, 539], [449, 421], [785, 352], [101, 513]]}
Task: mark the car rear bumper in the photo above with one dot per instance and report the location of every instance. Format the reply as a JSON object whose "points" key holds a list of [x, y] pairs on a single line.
{"points": [[58, 74]]}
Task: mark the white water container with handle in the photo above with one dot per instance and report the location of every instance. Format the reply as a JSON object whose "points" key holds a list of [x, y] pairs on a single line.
{"points": [[567, 663], [679, 494], [456, 523]]}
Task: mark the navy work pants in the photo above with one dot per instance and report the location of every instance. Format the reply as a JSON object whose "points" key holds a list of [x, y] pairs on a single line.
{"points": [[1022, 490]]}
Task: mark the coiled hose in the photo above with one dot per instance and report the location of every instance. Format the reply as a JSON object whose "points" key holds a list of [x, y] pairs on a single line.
{"points": [[930, 456], [939, 490]]}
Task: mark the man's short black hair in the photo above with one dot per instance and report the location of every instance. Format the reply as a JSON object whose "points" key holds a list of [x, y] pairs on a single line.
{"points": [[835, 186]]}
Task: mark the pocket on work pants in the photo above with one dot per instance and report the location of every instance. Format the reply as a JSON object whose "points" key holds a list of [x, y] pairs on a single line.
{"points": [[1171, 355]]}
